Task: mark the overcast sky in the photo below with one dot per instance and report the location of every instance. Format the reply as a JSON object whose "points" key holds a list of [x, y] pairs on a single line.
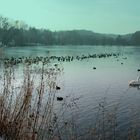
{"points": [[104, 16]]}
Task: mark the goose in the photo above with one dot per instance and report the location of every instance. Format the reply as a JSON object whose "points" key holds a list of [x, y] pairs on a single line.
{"points": [[135, 83]]}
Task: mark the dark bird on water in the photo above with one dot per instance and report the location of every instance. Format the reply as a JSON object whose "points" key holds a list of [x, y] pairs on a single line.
{"points": [[58, 88], [59, 98]]}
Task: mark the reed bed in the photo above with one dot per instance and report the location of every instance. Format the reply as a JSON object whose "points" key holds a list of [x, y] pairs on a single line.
{"points": [[26, 105]]}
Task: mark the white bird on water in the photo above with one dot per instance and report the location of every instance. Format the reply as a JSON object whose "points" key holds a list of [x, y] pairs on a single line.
{"points": [[135, 83]]}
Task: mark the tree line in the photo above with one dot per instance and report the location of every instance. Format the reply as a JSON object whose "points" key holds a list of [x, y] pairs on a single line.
{"points": [[17, 33]]}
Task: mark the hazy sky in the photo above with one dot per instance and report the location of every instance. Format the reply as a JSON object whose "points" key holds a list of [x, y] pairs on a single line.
{"points": [[104, 16]]}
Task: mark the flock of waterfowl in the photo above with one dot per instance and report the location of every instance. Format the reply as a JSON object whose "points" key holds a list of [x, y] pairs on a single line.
{"points": [[45, 60], [37, 60]]}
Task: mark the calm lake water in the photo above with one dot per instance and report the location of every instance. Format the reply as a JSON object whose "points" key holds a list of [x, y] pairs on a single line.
{"points": [[108, 82]]}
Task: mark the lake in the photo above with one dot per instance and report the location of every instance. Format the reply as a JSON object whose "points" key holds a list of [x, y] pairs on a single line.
{"points": [[107, 84]]}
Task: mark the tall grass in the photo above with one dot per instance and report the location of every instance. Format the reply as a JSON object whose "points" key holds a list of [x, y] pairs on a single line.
{"points": [[26, 106]]}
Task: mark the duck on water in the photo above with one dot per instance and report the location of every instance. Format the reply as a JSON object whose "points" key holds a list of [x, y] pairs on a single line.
{"points": [[135, 83]]}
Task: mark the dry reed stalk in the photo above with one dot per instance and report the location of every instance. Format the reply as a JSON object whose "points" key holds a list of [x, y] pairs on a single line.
{"points": [[21, 117]]}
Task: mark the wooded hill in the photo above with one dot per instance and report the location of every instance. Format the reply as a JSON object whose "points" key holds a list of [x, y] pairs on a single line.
{"points": [[17, 33]]}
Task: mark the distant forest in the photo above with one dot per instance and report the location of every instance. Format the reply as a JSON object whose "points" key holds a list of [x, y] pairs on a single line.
{"points": [[17, 33]]}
